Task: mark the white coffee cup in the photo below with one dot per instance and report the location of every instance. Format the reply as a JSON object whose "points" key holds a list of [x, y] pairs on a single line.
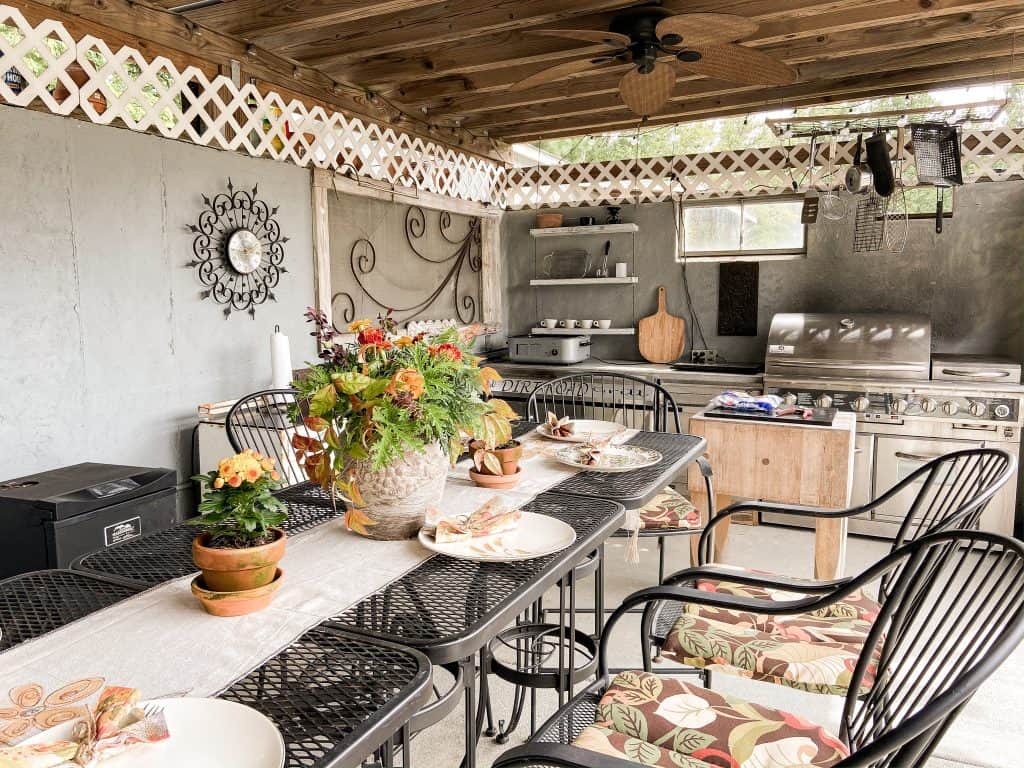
{"points": [[586, 323], [603, 324], [569, 323], [621, 269], [549, 322]]}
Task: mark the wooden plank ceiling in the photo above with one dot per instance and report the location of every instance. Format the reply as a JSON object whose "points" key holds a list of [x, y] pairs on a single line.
{"points": [[453, 62]]}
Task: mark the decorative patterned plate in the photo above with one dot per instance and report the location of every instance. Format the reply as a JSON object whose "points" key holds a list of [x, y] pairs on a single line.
{"points": [[535, 536], [584, 430], [205, 733], [614, 458]]}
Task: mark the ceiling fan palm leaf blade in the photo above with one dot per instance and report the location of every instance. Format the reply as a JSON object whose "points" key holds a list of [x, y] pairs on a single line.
{"points": [[611, 39], [646, 94], [706, 28], [560, 71], [739, 64]]}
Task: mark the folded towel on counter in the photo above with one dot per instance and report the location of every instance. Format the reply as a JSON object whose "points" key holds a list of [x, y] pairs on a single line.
{"points": [[744, 401], [489, 519]]}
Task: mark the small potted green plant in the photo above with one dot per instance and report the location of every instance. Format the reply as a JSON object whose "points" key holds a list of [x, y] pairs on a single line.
{"points": [[241, 543]]}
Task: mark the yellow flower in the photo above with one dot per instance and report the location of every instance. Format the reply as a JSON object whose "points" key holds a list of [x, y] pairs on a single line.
{"points": [[406, 380], [359, 325], [403, 341], [218, 482]]}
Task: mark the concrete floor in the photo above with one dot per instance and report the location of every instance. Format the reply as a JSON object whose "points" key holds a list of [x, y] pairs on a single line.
{"points": [[987, 734]]}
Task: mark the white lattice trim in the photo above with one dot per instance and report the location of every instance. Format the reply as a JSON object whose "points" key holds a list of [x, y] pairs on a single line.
{"points": [[996, 155], [153, 95]]}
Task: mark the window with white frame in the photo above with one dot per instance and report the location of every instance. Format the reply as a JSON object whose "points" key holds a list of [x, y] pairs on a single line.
{"points": [[741, 230]]}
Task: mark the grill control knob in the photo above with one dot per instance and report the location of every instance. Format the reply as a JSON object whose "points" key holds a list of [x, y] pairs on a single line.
{"points": [[789, 398], [823, 401], [950, 408], [929, 404], [1002, 411], [898, 406], [977, 409], [860, 404]]}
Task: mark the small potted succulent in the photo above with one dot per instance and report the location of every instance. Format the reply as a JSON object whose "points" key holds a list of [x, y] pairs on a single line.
{"points": [[241, 543]]}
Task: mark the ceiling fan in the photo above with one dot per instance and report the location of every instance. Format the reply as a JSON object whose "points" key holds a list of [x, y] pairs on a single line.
{"points": [[699, 43]]}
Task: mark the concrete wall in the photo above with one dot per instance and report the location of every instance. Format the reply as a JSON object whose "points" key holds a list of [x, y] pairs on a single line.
{"points": [[970, 279], [105, 346]]}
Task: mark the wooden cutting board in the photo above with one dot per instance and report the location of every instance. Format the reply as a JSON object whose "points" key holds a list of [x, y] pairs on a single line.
{"points": [[662, 336]]}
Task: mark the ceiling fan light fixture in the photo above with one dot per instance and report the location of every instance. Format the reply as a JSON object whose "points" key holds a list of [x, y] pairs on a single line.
{"points": [[690, 56], [671, 39]]}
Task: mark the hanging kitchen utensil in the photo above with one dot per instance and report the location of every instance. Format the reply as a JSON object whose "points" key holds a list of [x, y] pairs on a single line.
{"points": [[937, 154], [661, 336], [603, 269], [833, 207], [812, 204], [869, 224], [940, 204], [877, 151], [858, 175], [897, 217]]}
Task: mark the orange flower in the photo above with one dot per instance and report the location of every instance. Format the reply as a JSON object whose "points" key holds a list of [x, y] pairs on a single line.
{"points": [[218, 482], [275, 475], [406, 380], [234, 481], [252, 474], [450, 351], [404, 341]]}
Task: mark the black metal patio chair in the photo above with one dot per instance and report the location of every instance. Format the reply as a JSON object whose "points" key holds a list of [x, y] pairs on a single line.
{"points": [[950, 492], [954, 613], [636, 403]]}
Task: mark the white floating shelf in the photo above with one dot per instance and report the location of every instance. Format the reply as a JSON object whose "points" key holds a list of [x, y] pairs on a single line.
{"points": [[594, 229], [583, 331], [585, 281]]}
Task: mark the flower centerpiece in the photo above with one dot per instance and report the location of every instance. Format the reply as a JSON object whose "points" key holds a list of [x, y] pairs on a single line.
{"points": [[386, 414], [241, 543]]}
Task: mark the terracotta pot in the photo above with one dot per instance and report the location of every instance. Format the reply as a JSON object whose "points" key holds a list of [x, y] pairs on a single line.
{"points": [[509, 457], [397, 496], [234, 570], [549, 220], [498, 482], [236, 603]]}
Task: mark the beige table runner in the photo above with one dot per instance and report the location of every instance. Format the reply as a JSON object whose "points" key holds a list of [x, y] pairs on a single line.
{"points": [[162, 641]]}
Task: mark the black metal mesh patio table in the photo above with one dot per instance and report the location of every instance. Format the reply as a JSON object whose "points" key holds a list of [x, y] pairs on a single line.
{"points": [[449, 608], [32, 604], [165, 555], [336, 697]]}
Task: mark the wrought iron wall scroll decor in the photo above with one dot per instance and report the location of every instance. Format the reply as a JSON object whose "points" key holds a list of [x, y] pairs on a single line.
{"points": [[238, 250], [465, 258]]}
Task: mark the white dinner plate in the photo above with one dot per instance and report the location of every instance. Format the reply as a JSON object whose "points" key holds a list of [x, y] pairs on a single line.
{"points": [[535, 536], [614, 458], [205, 733], [584, 430]]}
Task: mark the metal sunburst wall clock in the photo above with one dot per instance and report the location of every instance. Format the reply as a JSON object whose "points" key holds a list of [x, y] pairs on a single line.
{"points": [[238, 250]]}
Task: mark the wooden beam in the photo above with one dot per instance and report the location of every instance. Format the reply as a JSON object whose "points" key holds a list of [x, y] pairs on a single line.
{"points": [[815, 79], [267, 21], [942, 29], [168, 31], [434, 25], [422, 60], [911, 81]]}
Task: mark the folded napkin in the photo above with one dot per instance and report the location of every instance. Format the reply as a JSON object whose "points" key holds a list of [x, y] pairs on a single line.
{"points": [[490, 518], [116, 724]]}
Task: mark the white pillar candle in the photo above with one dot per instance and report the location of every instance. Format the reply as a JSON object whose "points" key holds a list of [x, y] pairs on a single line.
{"points": [[280, 360]]}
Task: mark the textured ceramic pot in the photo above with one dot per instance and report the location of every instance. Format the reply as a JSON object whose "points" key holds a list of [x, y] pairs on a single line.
{"points": [[234, 570], [397, 496], [236, 603]]}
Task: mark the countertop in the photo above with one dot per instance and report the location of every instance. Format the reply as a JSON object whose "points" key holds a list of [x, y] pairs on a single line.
{"points": [[664, 373]]}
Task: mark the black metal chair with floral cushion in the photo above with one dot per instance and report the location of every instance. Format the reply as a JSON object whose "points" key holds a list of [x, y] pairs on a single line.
{"points": [[814, 651], [954, 612], [635, 403]]}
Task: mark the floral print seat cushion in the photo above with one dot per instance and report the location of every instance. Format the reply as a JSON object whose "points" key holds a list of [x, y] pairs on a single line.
{"points": [[670, 509], [809, 653], [665, 722]]}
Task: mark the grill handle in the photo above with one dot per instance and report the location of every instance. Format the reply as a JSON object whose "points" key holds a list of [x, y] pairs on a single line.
{"points": [[856, 366], [922, 457], [989, 374]]}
